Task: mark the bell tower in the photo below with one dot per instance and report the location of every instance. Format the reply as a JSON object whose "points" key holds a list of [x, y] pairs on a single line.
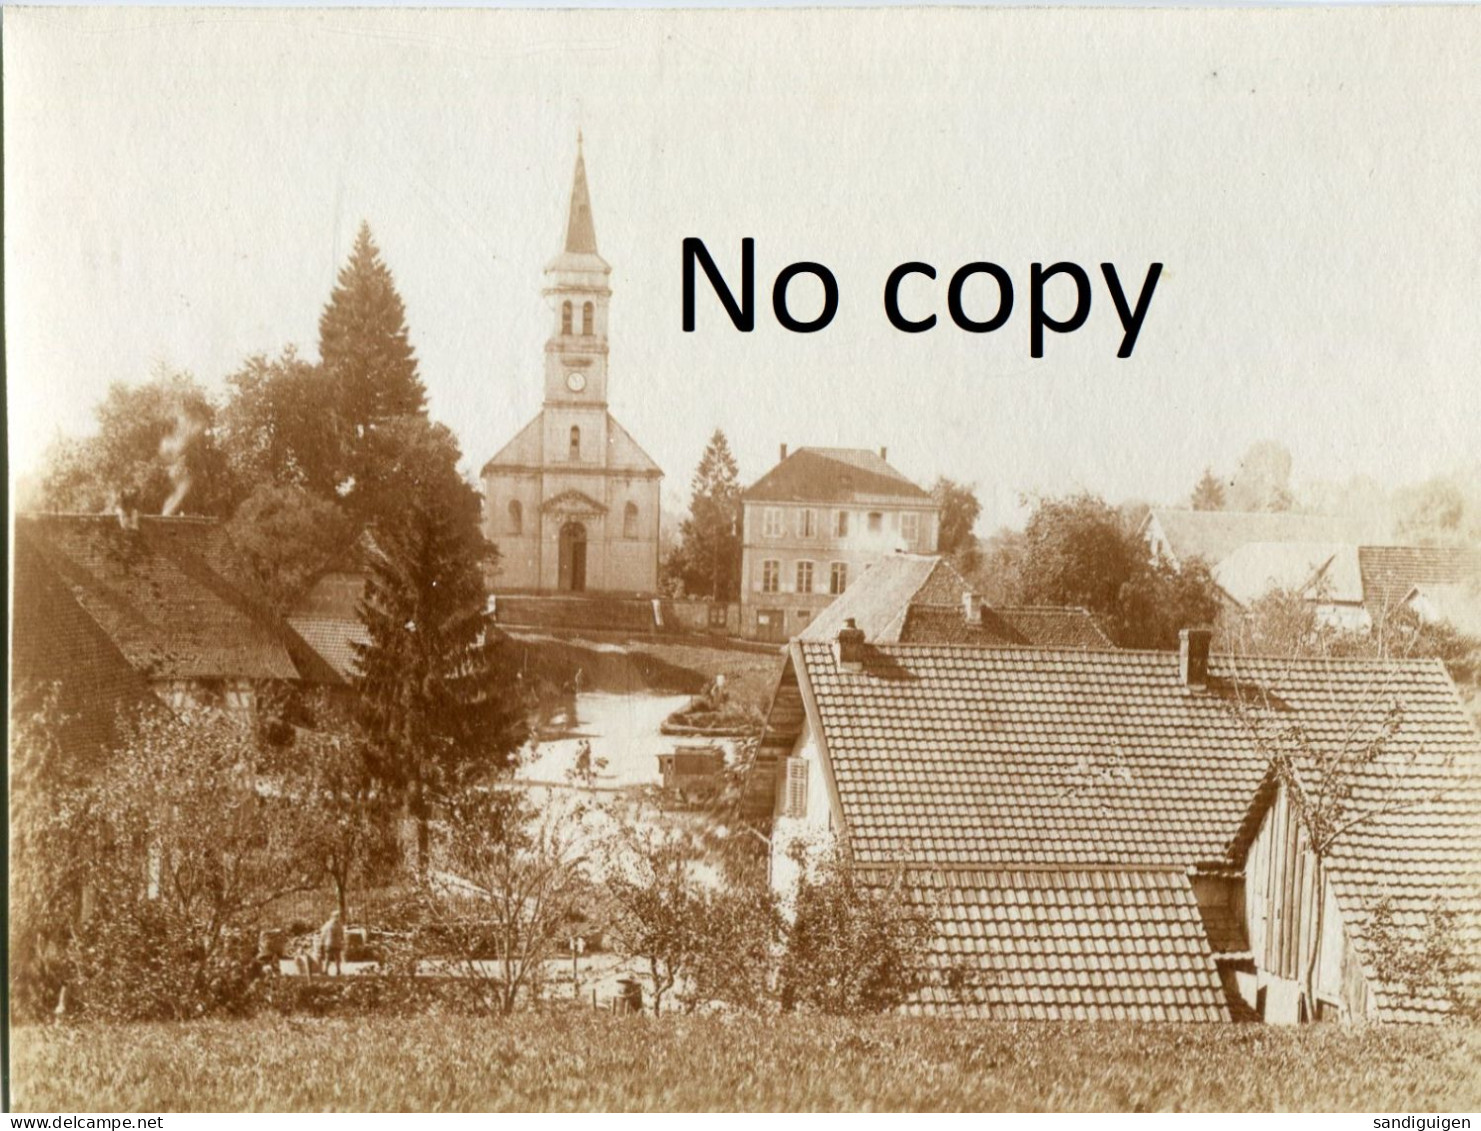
{"points": [[576, 286]]}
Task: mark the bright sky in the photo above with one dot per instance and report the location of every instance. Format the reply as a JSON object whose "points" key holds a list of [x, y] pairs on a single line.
{"points": [[183, 185]]}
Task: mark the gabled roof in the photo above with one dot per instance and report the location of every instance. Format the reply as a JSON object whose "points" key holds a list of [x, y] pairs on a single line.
{"points": [[1005, 757], [527, 450], [56, 647], [1214, 535], [1416, 836], [1048, 806], [1392, 575], [1003, 626], [152, 590], [878, 598], [1034, 945], [834, 475], [918, 599], [1320, 571]]}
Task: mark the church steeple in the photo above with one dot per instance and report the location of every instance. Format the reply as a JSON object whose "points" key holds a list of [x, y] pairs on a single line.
{"points": [[576, 284], [581, 234]]}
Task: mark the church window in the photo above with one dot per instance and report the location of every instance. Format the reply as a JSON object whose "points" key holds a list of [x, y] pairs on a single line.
{"points": [[516, 517], [630, 521], [575, 443], [771, 575], [772, 523], [840, 528], [588, 314], [838, 578], [565, 319], [804, 577]]}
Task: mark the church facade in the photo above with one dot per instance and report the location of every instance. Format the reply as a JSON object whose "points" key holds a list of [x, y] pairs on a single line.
{"points": [[572, 501]]}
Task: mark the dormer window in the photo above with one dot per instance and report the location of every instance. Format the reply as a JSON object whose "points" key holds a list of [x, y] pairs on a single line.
{"points": [[575, 443], [566, 319], [588, 317]]}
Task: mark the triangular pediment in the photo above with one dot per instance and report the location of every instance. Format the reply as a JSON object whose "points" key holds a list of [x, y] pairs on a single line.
{"points": [[522, 451], [572, 502]]}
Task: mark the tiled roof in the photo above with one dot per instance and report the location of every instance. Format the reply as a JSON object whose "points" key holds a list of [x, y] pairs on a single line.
{"points": [[1421, 842], [54, 644], [1022, 945], [1392, 573], [917, 598], [1003, 626], [994, 758], [334, 640], [834, 475], [877, 599], [154, 591], [1214, 535]]}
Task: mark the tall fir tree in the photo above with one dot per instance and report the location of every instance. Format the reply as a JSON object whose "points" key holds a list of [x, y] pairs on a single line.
{"points": [[367, 355], [708, 558], [1208, 493], [439, 688]]}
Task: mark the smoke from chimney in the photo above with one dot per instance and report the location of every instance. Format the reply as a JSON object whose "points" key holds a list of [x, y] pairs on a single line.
{"points": [[175, 448]]}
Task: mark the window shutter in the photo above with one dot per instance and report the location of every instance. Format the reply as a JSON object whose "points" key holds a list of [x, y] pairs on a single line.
{"points": [[795, 801]]}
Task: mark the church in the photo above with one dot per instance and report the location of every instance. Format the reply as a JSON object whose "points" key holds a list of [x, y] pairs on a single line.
{"points": [[572, 501]]}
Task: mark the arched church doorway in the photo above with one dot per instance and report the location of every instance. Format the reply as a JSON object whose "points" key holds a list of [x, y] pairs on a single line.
{"points": [[573, 558]]}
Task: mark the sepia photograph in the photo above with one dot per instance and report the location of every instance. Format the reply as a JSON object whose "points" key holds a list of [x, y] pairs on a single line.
{"points": [[768, 560]]}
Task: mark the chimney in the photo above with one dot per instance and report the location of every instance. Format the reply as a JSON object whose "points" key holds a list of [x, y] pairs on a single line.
{"points": [[1193, 645], [784, 451], [884, 454], [848, 649], [972, 607]]}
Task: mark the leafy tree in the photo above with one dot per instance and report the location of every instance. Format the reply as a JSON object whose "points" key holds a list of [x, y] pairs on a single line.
{"points": [[185, 848], [514, 878], [438, 685], [344, 822], [156, 450], [282, 537], [367, 355], [48, 861], [280, 426], [1263, 481], [857, 944], [1208, 493], [739, 927], [959, 512], [656, 904], [707, 562], [1079, 550]]}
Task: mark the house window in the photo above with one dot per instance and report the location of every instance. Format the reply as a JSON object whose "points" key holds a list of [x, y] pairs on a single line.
{"points": [[876, 522], [575, 443], [771, 575], [807, 523], [794, 796], [838, 577], [771, 526], [840, 527], [804, 577], [910, 526], [630, 521], [566, 319], [588, 313], [516, 517]]}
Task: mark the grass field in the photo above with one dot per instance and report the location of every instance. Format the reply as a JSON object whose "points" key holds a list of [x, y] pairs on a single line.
{"points": [[595, 1061]]}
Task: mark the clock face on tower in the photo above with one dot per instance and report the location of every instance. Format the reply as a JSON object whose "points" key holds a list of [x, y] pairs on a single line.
{"points": [[575, 382]]}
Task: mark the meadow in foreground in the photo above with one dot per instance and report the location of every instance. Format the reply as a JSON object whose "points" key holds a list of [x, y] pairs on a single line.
{"points": [[582, 1061]]}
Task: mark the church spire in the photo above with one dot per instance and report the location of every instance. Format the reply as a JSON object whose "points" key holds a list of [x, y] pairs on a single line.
{"points": [[581, 235]]}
